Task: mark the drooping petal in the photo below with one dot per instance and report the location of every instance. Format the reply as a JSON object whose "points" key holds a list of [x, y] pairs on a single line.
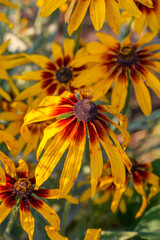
{"points": [[26, 218], [103, 198], [97, 13], [138, 185], [117, 165], [78, 15], [53, 153], [119, 92], [116, 198], [8, 164], [93, 234], [96, 158], [47, 212], [74, 158], [113, 16], [142, 93], [53, 234], [50, 6], [152, 81], [6, 207], [86, 195], [5, 95]]}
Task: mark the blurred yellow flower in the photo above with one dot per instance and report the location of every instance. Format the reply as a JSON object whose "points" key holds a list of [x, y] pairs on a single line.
{"points": [[99, 10], [3, 17], [115, 62]]}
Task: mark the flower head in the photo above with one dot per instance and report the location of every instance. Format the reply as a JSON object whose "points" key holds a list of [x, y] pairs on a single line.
{"points": [[20, 189], [98, 11], [77, 117], [14, 114], [149, 17], [55, 77], [116, 62], [140, 175]]}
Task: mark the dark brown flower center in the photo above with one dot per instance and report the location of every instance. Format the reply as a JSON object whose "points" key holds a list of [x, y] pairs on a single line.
{"points": [[23, 188], [127, 56], [85, 110], [63, 74]]}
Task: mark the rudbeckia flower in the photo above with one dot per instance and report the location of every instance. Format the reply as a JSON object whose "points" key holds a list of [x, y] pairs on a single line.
{"points": [[92, 234], [115, 62], [14, 115], [78, 117], [150, 17], [3, 17], [106, 189], [55, 77], [20, 188], [9, 62], [140, 175], [99, 10]]}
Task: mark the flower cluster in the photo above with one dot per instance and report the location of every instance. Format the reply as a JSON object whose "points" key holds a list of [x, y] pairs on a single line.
{"points": [[73, 111]]}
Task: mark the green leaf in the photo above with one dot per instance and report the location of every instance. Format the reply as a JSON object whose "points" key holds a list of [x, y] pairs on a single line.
{"points": [[117, 235], [149, 226]]}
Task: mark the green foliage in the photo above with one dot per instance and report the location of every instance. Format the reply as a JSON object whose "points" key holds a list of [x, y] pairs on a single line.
{"points": [[149, 225]]}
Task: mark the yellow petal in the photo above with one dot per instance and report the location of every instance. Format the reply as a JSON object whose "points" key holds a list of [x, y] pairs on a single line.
{"points": [[9, 4], [78, 15], [119, 92], [130, 7], [47, 212], [116, 198], [50, 6], [68, 46], [5, 209], [2, 177], [96, 158], [53, 233], [142, 95], [73, 160], [113, 16], [93, 234], [117, 165], [53, 154], [4, 46], [8, 164], [152, 81], [5, 95], [27, 222], [146, 38], [3, 18], [97, 13], [57, 52], [9, 140], [23, 167]]}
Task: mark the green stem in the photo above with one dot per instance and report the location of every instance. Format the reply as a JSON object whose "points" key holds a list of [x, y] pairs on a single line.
{"points": [[78, 38], [10, 223], [128, 95], [66, 209], [129, 27]]}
